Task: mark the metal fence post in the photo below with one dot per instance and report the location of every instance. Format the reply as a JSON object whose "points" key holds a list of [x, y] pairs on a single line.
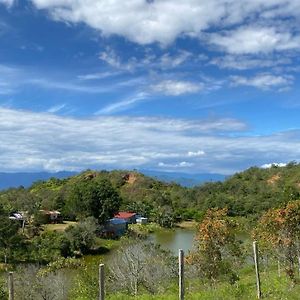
{"points": [[255, 252], [181, 274], [11, 292], [101, 282]]}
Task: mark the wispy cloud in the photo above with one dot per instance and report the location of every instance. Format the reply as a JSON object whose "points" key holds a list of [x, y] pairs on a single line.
{"points": [[264, 81], [176, 87], [96, 76], [246, 62], [123, 104], [56, 108], [67, 85], [7, 2]]}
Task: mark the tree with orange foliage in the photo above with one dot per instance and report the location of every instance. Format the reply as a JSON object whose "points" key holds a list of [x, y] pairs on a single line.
{"points": [[279, 230], [216, 250]]}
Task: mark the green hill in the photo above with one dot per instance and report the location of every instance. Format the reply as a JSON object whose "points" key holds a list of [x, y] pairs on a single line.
{"points": [[246, 193]]}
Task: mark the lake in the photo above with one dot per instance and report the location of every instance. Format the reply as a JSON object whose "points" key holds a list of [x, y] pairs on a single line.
{"points": [[174, 239]]}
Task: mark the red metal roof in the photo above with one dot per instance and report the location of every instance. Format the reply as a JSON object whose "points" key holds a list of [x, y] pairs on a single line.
{"points": [[124, 215]]}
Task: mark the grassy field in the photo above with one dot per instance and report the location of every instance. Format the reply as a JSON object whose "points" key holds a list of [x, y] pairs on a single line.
{"points": [[58, 227], [187, 224], [273, 288]]}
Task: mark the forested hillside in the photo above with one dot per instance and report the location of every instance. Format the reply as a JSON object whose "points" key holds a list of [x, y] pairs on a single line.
{"points": [[250, 192]]}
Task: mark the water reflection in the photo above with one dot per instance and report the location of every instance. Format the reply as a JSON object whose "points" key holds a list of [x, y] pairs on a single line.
{"points": [[174, 239]]}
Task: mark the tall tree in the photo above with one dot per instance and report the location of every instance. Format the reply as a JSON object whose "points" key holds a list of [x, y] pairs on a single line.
{"points": [[93, 197], [279, 230], [216, 249]]}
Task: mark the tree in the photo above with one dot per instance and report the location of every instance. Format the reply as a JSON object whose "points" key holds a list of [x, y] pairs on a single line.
{"points": [[93, 197], [164, 216], [33, 283], [48, 246], [3, 289], [216, 249], [141, 265], [10, 239], [82, 237], [279, 229]]}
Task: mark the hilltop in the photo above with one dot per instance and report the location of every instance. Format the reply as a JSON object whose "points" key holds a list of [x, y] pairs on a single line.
{"points": [[26, 179]]}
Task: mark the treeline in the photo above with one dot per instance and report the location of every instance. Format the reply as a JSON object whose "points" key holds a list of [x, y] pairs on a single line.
{"points": [[246, 193], [251, 192]]}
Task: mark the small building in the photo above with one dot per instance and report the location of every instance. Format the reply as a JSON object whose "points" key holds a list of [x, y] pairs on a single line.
{"points": [[142, 220], [52, 216], [16, 216], [114, 228], [129, 217]]}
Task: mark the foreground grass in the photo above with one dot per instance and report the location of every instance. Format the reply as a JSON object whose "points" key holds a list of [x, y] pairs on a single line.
{"points": [[273, 288]]}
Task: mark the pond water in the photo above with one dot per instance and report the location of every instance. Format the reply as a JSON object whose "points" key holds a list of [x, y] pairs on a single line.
{"points": [[174, 239], [168, 239]]}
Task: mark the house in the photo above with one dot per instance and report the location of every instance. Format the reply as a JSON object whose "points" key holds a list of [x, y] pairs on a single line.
{"points": [[18, 216], [129, 217], [114, 228], [51, 216], [142, 220]]}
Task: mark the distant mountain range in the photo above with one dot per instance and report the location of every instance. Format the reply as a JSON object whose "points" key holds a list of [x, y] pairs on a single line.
{"points": [[8, 180], [184, 179]]}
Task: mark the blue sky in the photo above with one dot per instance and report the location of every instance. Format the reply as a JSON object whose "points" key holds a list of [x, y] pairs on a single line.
{"points": [[187, 86]]}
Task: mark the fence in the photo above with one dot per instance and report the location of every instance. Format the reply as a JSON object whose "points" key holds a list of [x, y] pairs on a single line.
{"points": [[181, 288]]}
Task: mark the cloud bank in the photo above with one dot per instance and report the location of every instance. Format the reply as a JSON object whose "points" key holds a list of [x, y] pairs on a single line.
{"points": [[44, 141]]}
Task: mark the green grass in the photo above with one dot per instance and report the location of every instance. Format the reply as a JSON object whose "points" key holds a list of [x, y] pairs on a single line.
{"points": [[273, 288], [58, 227], [145, 229]]}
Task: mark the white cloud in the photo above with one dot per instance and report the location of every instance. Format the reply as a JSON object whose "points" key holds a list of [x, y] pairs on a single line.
{"points": [[196, 153], [163, 21], [268, 166], [264, 81], [254, 39], [169, 166], [176, 87], [140, 21]]}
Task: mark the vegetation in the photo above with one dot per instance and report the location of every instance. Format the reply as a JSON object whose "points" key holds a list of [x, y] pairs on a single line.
{"points": [[216, 253], [262, 201], [279, 232]]}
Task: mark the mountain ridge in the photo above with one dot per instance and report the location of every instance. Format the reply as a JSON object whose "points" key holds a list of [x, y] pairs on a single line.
{"points": [[26, 179]]}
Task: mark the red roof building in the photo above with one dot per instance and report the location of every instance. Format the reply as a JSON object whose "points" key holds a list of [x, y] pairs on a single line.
{"points": [[129, 217]]}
